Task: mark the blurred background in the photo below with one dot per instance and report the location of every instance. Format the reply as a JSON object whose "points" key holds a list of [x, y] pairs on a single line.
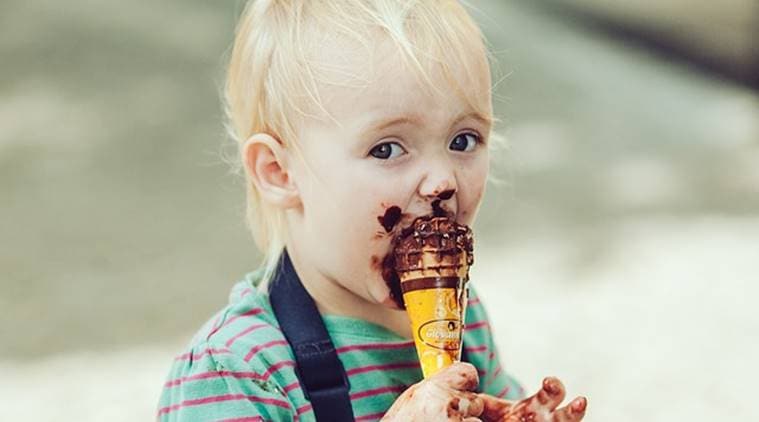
{"points": [[620, 251]]}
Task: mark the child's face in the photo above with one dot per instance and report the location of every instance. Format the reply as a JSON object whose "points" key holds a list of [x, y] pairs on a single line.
{"points": [[391, 144]]}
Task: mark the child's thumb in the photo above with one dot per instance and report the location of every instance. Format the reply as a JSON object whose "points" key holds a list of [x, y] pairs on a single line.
{"points": [[459, 376]]}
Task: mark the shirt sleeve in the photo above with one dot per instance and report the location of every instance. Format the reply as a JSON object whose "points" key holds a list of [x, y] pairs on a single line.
{"points": [[212, 383], [497, 382], [478, 340]]}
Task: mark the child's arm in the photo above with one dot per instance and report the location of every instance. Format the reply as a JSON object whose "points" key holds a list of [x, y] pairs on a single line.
{"points": [[497, 382], [483, 353], [213, 383]]}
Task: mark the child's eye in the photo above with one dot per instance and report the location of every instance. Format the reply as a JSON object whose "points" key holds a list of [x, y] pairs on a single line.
{"points": [[464, 142], [387, 150]]}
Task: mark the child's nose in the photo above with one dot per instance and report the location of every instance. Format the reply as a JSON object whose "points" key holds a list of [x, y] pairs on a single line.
{"points": [[437, 181]]}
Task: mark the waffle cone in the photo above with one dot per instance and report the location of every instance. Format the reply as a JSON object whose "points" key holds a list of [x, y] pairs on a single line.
{"points": [[433, 265]]}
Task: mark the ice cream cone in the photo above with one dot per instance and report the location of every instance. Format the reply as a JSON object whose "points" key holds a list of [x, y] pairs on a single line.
{"points": [[432, 259]]}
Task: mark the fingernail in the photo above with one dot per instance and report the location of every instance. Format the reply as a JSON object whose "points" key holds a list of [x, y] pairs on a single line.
{"points": [[550, 387], [579, 404]]}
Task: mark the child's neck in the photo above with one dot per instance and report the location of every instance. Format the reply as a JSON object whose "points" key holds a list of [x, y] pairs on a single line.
{"points": [[333, 299]]}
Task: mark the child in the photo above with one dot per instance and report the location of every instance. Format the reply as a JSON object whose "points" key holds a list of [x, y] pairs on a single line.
{"points": [[342, 110]]}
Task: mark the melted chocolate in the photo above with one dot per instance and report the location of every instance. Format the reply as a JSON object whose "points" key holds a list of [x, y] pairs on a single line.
{"points": [[437, 211], [446, 237], [451, 240], [446, 195], [390, 219], [392, 280]]}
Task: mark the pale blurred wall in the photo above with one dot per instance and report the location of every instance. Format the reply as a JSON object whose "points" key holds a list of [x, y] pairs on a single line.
{"points": [[121, 223], [720, 34]]}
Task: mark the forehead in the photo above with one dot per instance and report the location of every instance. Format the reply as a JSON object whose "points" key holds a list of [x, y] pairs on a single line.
{"points": [[379, 78]]}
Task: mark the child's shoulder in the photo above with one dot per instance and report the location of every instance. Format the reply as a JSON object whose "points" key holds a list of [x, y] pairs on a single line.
{"points": [[483, 354], [238, 356], [246, 327]]}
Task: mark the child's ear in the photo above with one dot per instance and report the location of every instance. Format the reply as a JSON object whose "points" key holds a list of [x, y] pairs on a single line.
{"points": [[266, 163]]}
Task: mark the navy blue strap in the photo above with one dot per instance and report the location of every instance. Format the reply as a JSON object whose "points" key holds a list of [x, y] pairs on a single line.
{"points": [[319, 370]]}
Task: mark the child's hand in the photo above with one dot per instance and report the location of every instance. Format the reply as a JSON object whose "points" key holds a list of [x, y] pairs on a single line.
{"points": [[542, 407], [446, 396]]}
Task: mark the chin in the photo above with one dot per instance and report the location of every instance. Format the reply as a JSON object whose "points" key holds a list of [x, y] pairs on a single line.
{"points": [[390, 303], [384, 297]]}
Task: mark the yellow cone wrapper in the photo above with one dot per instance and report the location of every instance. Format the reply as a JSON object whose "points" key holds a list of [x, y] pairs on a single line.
{"points": [[432, 259]]}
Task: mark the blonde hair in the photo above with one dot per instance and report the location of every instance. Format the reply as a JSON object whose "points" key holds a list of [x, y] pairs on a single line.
{"points": [[273, 72]]}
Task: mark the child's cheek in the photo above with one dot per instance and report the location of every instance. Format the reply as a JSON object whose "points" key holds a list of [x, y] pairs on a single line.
{"points": [[384, 286], [471, 196], [469, 210]]}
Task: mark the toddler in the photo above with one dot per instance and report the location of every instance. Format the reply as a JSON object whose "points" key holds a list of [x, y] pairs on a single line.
{"points": [[353, 117]]}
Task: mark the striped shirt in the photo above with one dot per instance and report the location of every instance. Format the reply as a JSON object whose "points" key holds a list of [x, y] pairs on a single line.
{"points": [[239, 367]]}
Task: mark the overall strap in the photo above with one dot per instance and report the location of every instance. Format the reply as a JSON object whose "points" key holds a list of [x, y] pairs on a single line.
{"points": [[319, 370]]}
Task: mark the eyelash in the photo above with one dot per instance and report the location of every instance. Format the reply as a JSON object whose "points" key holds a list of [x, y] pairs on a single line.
{"points": [[477, 140], [383, 144]]}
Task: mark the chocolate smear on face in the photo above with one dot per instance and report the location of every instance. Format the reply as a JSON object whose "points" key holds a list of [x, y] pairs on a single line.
{"points": [[448, 238], [460, 239], [386, 267], [390, 219], [446, 195], [392, 280], [437, 210]]}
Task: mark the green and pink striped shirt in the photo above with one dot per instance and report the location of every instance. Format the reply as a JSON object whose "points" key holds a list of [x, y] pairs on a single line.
{"points": [[239, 367]]}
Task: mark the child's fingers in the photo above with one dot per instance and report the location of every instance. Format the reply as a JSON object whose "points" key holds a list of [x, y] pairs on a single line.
{"points": [[549, 397], [543, 403], [466, 405], [494, 409], [573, 412], [459, 376]]}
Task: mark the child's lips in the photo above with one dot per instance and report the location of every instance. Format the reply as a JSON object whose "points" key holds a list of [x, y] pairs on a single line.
{"points": [[394, 214], [398, 224], [388, 265]]}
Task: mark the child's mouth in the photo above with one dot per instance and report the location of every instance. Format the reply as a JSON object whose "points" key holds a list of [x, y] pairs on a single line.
{"points": [[437, 210], [389, 221], [393, 214]]}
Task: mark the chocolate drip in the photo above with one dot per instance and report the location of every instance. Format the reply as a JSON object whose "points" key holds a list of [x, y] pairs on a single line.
{"points": [[447, 238], [391, 279], [437, 210], [390, 219]]}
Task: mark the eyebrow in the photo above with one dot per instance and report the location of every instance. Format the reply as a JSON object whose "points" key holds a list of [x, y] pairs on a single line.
{"points": [[395, 121], [417, 121], [476, 116]]}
